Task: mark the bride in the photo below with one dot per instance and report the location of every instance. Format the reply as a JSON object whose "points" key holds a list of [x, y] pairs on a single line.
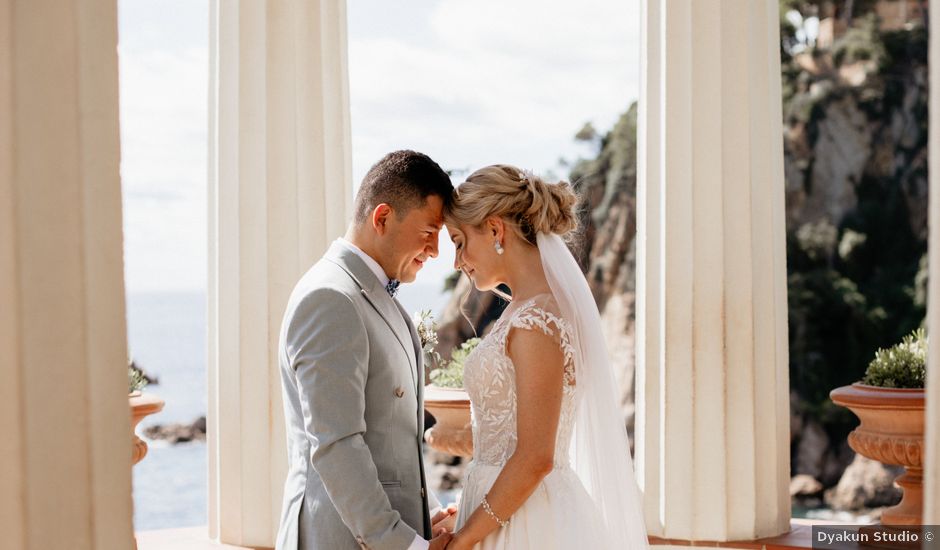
{"points": [[551, 464]]}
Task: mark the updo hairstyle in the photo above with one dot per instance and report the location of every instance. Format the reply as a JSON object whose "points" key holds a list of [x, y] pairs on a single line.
{"points": [[527, 202]]}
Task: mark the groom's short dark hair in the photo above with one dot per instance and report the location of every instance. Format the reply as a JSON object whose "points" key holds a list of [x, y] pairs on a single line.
{"points": [[402, 180]]}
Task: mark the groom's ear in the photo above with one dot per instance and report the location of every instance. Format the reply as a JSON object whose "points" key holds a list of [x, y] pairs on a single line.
{"points": [[380, 217]]}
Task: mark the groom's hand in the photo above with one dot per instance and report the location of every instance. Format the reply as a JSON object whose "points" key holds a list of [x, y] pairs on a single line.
{"points": [[445, 520], [440, 541]]}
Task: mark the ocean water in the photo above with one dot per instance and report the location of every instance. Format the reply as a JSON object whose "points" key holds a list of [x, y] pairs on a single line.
{"points": [[167, 338]]}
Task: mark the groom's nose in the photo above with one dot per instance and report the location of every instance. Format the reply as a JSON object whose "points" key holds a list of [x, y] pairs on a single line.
{"points": [[432, 247]]}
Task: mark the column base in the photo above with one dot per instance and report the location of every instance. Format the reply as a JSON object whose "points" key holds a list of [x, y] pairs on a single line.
{"points": [[186, 538], [799, 537]]}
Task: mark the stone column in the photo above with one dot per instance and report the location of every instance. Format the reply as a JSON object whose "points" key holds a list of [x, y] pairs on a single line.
{"points": [[280, 192], [713, 417], [932, 435], [65, 454]]}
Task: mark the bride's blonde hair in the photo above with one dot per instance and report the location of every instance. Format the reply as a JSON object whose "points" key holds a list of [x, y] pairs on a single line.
{"points": [[528, 203]]}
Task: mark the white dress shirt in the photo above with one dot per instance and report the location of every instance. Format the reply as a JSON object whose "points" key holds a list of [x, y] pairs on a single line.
{"points": [[418, 543], [369, 260]]}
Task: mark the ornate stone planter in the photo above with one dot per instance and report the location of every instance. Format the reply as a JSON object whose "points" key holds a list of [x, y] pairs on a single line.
{"points": [[891, 432], [451, 408], [142, 405]]}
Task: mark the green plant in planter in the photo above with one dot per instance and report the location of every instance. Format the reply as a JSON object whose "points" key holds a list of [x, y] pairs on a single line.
{"points": [[451, 374], [902, 366], [135, 378]]}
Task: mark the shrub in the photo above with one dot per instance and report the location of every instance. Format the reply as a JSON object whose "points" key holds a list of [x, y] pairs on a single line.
{"points": [[135, 378], [901, 366], [451, 374]]}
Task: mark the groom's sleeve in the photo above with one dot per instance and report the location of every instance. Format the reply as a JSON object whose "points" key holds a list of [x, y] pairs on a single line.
{"points": [[328, 349]]}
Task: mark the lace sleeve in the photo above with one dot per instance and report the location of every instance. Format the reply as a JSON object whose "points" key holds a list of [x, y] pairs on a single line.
{"points": [[534, 317]]}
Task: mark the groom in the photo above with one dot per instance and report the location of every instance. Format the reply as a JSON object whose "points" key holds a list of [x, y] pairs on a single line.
{"points": [[352, 374]]}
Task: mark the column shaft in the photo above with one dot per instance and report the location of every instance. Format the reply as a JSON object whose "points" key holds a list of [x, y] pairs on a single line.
{"points": [[280, 192], [932, 435], [65, 459], [712, 446]]}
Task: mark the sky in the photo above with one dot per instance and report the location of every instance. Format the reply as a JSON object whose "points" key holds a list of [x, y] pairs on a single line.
{"points": [[163, 65], [468, 83]]}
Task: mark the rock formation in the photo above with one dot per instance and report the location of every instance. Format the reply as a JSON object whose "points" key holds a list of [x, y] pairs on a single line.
{"points": [[178, 433], [855, 110]]}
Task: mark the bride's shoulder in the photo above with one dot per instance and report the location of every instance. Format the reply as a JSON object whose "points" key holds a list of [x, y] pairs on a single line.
{"points": [[540, 311], [540, 315], [544, 302]]}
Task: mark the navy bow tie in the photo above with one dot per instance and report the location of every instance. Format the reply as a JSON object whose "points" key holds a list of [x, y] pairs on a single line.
{"points": [[392, 287]]}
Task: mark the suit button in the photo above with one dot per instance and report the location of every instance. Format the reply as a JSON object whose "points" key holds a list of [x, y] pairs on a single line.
{"points": [[422, 492], [399, 393]]}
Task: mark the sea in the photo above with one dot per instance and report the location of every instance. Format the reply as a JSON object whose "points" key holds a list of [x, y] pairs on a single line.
{"points": [[167, 338]]}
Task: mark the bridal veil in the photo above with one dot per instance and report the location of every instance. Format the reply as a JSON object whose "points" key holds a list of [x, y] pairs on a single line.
{"points": [[600, 450]]}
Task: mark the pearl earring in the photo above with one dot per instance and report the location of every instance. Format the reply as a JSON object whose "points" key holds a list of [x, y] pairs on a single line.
{"points": [[499, 248]]}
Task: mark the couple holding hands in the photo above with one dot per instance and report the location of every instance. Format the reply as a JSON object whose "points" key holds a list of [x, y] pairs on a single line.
{"points": [[551, 467]]}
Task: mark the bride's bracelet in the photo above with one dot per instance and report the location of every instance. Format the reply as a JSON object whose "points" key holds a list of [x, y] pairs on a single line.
{"points": [[488, 510]]}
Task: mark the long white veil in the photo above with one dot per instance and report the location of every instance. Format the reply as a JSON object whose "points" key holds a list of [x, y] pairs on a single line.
{"points": [[600, 449]]}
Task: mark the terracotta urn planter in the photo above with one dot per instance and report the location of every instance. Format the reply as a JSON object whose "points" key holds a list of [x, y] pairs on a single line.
{"points": [[451, 408], [891, 432], [142, 405]]}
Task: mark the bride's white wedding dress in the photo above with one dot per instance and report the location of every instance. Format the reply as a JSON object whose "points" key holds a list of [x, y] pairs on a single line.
{"points": [[560, 514]]}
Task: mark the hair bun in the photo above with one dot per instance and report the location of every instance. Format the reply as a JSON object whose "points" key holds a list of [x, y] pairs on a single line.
{"points": [[524, 199], [551, 205]]}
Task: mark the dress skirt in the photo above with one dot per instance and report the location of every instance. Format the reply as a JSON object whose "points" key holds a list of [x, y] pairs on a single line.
{"points": [[558, 515]]}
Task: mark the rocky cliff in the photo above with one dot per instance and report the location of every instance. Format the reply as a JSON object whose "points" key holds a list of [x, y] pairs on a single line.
{"points": [[856, 197], [855, 111]]}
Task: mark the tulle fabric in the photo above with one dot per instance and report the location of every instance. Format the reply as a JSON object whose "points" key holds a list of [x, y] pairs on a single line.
{"points": [[559, 515], [600, 449]]}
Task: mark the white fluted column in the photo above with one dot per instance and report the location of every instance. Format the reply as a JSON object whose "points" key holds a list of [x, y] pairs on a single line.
{"points": [[713, 418], [65, 455], [280, 192], [932, 435]]}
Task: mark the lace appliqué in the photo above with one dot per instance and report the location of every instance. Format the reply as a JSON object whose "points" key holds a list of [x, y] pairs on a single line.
{"points": [[489, 378]]}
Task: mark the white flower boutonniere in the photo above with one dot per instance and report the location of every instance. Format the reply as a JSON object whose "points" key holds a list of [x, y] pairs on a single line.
{"points": [[427, 334], [450, 373]]}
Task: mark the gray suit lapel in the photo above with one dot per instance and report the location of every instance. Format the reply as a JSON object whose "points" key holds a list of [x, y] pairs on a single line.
{"points": [[419, 353], [375, 294]]}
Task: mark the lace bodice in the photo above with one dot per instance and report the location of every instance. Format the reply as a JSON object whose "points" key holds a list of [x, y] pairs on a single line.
{"points": [[489, 378]]}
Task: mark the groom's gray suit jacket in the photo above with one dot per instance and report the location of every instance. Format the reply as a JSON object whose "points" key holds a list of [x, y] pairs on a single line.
{"points": [[353, 381]]}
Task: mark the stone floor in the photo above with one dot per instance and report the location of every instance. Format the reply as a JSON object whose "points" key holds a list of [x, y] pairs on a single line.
{"points": [[196, 538], [799, 537], [189, 538]]}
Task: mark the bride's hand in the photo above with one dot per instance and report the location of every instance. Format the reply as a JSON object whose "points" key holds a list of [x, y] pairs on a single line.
{"points": [[446, 519]]}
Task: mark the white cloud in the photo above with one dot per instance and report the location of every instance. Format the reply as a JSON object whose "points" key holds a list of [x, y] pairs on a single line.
{"points": [[475, 83], [165, 245], [470, 83], [498, 81], [163, 166]]}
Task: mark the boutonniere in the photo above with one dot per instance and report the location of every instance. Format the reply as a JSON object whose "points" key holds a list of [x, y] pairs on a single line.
{"points": [[427, 334]]}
